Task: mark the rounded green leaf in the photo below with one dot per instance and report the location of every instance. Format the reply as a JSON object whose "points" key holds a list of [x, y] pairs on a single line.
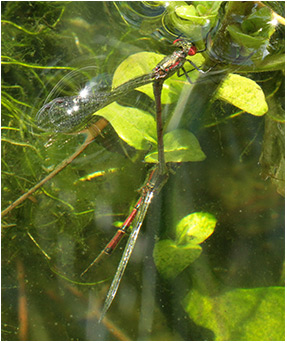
{"points": [[179, 146], [136, 65], [136, 127], [186, 12], [171, 259], [241, 314], [200, 13], [243, 93], [195, 228], [210, 6], [191, 14]]}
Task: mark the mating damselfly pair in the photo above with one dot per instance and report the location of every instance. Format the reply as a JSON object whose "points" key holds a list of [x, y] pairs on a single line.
{"points": [[171, 280], [72, 114]]}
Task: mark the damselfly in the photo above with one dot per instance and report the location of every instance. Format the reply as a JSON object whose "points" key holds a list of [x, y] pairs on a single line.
{"points": [[69, 114], [152, 186], [75, 113]]}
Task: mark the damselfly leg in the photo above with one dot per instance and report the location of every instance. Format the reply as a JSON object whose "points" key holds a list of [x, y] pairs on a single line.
{"points": [[113, 243]]}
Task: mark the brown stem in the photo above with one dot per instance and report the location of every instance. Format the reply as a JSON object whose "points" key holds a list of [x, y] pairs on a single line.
{"points": [[157, 87], [22, 303]]}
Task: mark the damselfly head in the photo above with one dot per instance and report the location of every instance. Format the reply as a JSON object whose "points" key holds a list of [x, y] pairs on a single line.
{"points": [[188, 47]]}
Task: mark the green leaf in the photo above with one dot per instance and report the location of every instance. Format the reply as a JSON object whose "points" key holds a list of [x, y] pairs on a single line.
{"points": [[171, 259], [269, 63], [136, 127], [201, 10], [197, 16], [179, 146], [187, 12], [210, 6], [245, 39], [195, 228], [244, 94], [240, 315], [136, 65], [255, 30], [259, 23]]}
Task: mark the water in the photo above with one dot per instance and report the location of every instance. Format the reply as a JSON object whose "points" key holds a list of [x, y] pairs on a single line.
{"points": [[52, 237]]}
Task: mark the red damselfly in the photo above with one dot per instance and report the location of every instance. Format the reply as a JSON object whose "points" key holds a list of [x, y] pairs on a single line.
{"points": [[153, 185], [110, 247], [75, 113], [70, 114]]}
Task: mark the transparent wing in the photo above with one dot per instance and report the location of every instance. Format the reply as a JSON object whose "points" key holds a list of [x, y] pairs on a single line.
{"points": [[127, 252]]}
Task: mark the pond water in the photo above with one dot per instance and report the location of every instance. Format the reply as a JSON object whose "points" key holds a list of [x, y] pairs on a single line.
{"points": [[49, 239]]}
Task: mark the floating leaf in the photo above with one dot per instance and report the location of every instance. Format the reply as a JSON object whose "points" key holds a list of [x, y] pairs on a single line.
{"points": [[192, 18], [195, 228], [136, 127], [204, 7], [191, 14], [171, 259], [244, 94], [240, 315], [179, 146]]}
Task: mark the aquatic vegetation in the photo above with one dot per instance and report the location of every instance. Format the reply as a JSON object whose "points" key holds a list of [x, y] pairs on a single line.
{"points": [[217, 130]]}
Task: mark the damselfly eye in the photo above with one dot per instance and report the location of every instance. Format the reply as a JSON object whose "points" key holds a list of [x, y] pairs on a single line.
{"points": [[188, 47], [192, 50]]}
